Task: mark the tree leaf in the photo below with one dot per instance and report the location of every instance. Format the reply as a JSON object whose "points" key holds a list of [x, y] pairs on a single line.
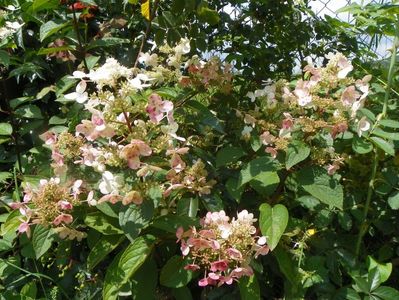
{"points": [[389, 123], [386, 135], [5, 129], [228, 155], [4, 58], [272, 222], [319, 184], [383, 145], [249, 288], [105, 245], [173, 273], [42, 239], [125, 265], [107, 42], [296, 152]]}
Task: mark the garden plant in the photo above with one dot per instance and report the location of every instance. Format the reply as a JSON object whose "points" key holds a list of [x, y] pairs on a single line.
{"points": [[172, 149]]}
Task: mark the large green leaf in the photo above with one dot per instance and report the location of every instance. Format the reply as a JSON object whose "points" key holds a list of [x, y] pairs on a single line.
{"points": [[256, 167], [105, 245], [125, 265], [272, 222], [134, 218], [319, 184], [386, 293], [173, 273], [385, 270], [296, 152], [42, 239], [249, 288], [170, 223], [228, 155], [265, 183]]}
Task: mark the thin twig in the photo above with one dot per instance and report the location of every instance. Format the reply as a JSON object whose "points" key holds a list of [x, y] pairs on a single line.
{"points": [[82, 49]]}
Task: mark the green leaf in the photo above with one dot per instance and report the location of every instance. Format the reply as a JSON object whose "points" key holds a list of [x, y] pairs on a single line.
{"points": [[228, 155], [205, 14], [385, 270], [193, 207], [39, 5], [361, 146], [29, 290], [386, 293], [29, 112], [265, 183], [107, 42], [134, 218], [319, 184], [386, 135], [233, 189], [5, 129], [374, 279], [4, 58], [389, 123], [393, 200], [383, 145], [297, 151], [173, 273], [54, 120], [272, 222], [42, 239], [102, 223], [256, 167], [170, 223], [145, 281], [249, 288], [125, 265], [346, 294], [102, 248], [51, 27]]}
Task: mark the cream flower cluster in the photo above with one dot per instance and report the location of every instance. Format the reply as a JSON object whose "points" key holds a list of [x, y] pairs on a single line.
{"points": [[222, 248]]}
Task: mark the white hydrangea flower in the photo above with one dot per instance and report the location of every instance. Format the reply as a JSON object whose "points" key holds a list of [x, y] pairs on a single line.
{"points": [[110, 184]]}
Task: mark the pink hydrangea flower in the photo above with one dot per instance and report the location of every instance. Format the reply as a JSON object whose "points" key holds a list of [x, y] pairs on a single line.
{"points": [[157, 108], [133, 151], [63, 218]]}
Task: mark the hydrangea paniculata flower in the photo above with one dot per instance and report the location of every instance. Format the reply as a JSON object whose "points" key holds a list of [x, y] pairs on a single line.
{"points": [[222, 248]]}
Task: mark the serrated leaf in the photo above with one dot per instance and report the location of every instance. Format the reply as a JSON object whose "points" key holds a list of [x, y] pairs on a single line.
{"points": [[228, 155], [272, 222], [383, 145], [42, 239], [125, 265], [173, 273], [319, 184], [5, 129], [51, 27], [105, 245]]}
